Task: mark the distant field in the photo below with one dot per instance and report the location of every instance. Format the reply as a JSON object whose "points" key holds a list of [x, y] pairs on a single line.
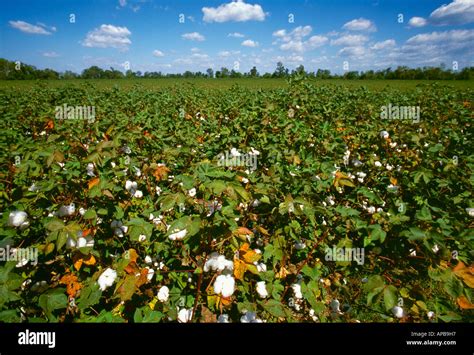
{"points": [[227, 83]]}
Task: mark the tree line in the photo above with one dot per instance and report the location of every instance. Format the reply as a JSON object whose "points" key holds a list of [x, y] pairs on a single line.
{"points": [[10, 70]]}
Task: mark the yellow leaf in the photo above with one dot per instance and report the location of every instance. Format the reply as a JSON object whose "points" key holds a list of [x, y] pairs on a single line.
{"points": [[251, 256], [466, 273], [93, 182], [464, 303], [393, 181], [239, 269]]}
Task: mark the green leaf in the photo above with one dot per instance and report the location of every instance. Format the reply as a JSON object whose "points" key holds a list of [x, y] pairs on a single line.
{"points": [[53, 300], [390, 297]]}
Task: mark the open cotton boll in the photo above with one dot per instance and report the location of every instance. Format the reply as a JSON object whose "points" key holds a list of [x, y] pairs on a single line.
{"points": [[107, 279], [470, 211], [235, 153], [297, 291], [131, 185], [163, 294], [67, 210], [150, 274], [250, 317], [335, 304], [192, 192], [138, 194], [83, 242], [218, 262], [141, 238], [185, 315], [384, 134], [18, 219], [261, 289], [224, 285], [398, 312], [378, 164], [178, 234], [223, 318], [90, 169]]}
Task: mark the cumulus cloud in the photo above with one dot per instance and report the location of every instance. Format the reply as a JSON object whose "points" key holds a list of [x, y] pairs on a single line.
{"points": [[108, 36], [360, 24], [158, 53], [237, 11], [26, 27], [417, 22], [226, 54], [236, 35], [296, 40], [444, 37], [352, 52], [349, 40], [250, 43], [193, 36], [458, 12], [389, 43]]}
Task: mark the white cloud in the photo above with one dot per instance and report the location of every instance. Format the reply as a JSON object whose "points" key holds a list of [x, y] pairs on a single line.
{"points": [[226, 54], [50, 54], [280, 33], [193, 36], [123, 3], [349, 40], [389, 43], [417, 22], [457, 36], [29, 28], [236, 35], [294, 40], [249, 43], [195, 50], [158, 53], [352, 52], [108, 36], [458, 12], [237, 11], [360, 24]]}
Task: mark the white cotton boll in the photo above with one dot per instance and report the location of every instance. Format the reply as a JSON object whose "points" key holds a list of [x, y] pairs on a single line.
{"points": [[141, 238], [118, 232], [224, 285], [138, 173], [18, 219], [379, 210], [82, 211], [254, 151], [185, 315], [90, 169], [150, 274], [330, 200], [66, 210], [107, 278], [148, 259], [378, 164], [192, 192], [261, 267], [297, 291], [470, 211], [112, 164], [223, 318], [412, 252], [126, 149], [158, 190], [384, 134], [131, 185], [346, 156], [398, 312], [430, 314], [250, 317], [393, 144], [392, 188], [245, 180], [256, 203], [389, 167], [371, 210], [138, 194], [435, 248], [261, 289], [163, 294], [83, 242], [178, 234]]}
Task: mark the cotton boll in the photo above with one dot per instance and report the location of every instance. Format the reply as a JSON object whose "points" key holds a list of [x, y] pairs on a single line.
{"points": [[335, 304], [470, 211], [131, 185], [66, 210], [384, 135], [107, 278], [158, 190], [378, 164], [235, 153], [261, 267], [224, 285], [18, 219], [178, 234], [223, 318], [138, 194], [245, 180], [371, 210], [185, 315], [297, 291], [300, 245], [430, 314], [398, 312], [192, 192], [250, 317], [150, 274], [435, 248], [90, 169], [141, 238], [389, 167], [163, 294], [261, 289], [148, 259]]}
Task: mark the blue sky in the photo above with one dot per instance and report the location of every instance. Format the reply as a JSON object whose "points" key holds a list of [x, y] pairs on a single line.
{"points": [[174, 36]]}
